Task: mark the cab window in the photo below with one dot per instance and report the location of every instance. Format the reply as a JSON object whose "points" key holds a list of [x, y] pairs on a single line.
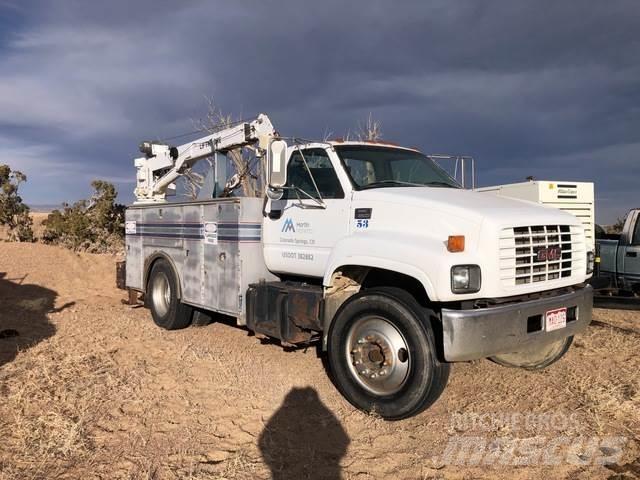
{"points": [[380, 167], [636, 233], [409, 170], [322, 171], [362, 171]]}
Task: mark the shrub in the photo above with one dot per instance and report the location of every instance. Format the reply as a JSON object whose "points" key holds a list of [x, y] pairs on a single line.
{"points": [[94, 225], [13, 212], [618, 226]]}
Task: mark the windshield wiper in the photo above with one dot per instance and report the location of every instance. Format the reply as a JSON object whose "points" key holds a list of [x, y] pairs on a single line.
{"points": [[390, 183], [440, 184]]}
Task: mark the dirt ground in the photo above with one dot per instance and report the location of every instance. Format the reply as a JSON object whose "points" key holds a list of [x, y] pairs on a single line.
{"points": [[90, 388]]}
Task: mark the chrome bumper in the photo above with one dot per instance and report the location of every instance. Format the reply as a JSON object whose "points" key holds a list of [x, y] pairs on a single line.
{"points": [[480, 333]]}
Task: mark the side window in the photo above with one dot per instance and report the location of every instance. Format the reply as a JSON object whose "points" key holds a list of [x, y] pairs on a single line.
{"points": [[322, 171], [636, 233]]}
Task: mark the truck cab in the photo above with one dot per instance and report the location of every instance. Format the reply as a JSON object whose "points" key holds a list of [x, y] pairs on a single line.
{"points": [[385, 207], [620, 255]]}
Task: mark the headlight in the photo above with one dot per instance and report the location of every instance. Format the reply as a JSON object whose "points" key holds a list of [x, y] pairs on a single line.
{"points": [[465, 279], [591, 260]]}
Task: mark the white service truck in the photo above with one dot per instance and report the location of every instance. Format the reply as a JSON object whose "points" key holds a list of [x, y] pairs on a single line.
{"points": [[367, 248]]}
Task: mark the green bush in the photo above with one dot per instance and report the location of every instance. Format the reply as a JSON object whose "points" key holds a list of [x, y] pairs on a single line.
{"points": [[14, 214], [94, 225]]}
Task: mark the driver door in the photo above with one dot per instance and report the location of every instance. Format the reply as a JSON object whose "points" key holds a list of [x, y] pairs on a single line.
{"points": [[629, 255], [302, 228]]}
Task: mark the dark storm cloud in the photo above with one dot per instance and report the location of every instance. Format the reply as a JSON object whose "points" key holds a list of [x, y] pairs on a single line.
{"points": [[544, 88]]}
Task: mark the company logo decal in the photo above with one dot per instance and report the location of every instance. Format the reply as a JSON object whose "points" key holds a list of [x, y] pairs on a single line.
{"points": [[288, 226], [549, 254]]}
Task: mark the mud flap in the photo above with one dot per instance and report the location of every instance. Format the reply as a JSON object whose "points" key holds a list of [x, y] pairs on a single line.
{"points": [[288, 311]]}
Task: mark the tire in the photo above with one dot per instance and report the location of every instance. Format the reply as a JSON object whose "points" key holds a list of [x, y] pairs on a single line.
{"points": [[162, 298], [535, 359], [382, 354]]}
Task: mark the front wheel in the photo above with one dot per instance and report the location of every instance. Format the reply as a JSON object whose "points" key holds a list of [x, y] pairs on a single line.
{"points": [[535, 358], [382, 354]]}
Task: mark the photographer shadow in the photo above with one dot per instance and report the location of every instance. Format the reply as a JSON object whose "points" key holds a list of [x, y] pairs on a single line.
{"points": [[303, 439], [23, 316]]}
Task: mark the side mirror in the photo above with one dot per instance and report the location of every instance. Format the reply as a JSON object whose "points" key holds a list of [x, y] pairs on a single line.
{"points": [[277, 164], [274, 193]]}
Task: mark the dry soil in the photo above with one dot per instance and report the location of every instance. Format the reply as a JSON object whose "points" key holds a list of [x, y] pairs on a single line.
{"points": [[91, 388]]}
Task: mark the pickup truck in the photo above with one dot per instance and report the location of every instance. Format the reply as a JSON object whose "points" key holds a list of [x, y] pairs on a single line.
{"points": [[620, 256]]}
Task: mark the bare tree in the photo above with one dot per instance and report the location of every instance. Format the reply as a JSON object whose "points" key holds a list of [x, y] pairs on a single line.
{"points": [[371, 130], [193, 182], [250, 175]]}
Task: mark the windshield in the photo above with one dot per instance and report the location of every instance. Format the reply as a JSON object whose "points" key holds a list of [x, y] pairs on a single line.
{"points": [[378, 167]]}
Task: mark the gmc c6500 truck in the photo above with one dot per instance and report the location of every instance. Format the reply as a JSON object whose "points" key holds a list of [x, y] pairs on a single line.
{"points": [[370, 250]]}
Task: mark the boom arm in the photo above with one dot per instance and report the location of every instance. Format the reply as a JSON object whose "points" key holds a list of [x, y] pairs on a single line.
{"points": [[163, 164]]}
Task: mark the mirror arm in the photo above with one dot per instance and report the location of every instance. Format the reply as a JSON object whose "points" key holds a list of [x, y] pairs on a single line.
{"points": [[298, 191], [321, 200]]}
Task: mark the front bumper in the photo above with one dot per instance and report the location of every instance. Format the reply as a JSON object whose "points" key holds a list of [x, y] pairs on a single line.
{"points": [[484, 332]]}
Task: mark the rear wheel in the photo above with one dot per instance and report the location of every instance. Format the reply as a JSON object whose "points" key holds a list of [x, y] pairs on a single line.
{"points": [[535, 358], [162, 298], [382, 354]]}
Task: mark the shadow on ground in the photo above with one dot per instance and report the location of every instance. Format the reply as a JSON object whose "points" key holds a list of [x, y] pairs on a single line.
{"points": [[303, 439], [23, 315]]}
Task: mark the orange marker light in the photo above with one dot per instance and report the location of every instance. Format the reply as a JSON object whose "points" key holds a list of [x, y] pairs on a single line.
{"points": [[455, 243]]}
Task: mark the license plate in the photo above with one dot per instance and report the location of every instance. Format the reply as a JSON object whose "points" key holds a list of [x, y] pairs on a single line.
{"points": [[555, 319]]}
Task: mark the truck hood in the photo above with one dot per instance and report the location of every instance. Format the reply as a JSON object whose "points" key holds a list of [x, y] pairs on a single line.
{"points": [[467, 205]]}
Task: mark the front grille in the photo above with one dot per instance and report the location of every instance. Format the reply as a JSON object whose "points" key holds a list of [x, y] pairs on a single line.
{"points": [[522, 262]]}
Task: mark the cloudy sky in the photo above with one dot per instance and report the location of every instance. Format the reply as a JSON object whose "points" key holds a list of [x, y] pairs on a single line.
{"points": [[543, 88]]}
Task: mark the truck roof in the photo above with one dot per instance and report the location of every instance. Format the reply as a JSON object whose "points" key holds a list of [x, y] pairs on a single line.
{"points": [[372, 143]]}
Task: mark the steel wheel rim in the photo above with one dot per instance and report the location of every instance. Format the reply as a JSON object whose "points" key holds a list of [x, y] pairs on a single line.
{"points": [[161, 294], [378, 355]]}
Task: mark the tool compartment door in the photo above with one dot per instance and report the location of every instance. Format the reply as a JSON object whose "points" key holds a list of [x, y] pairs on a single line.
{"points": [[133, 250], [192, 268]]}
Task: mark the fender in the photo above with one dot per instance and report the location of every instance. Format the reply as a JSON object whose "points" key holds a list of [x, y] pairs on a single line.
{"points": [[399, 253], [150, 260]]}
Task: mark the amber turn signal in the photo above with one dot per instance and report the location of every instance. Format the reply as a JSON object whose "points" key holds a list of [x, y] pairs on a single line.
{"points": [[455, 243]]}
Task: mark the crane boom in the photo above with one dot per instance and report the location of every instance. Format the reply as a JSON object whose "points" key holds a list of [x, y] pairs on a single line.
{"points": [[163, 164]]}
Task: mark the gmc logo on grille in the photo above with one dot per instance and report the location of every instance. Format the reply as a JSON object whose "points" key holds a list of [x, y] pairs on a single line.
{"points": [[549, 254]]}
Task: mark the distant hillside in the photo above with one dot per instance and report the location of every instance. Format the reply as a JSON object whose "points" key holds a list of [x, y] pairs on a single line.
{"points": [[44, 208]]}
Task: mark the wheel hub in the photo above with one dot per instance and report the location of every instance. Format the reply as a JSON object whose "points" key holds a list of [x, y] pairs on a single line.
{"points": [[370, 356], [161, 294], [378, 355]]}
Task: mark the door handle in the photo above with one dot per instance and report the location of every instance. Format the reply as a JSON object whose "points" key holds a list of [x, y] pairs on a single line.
{"points": [[632, 254], [275, 214]]}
